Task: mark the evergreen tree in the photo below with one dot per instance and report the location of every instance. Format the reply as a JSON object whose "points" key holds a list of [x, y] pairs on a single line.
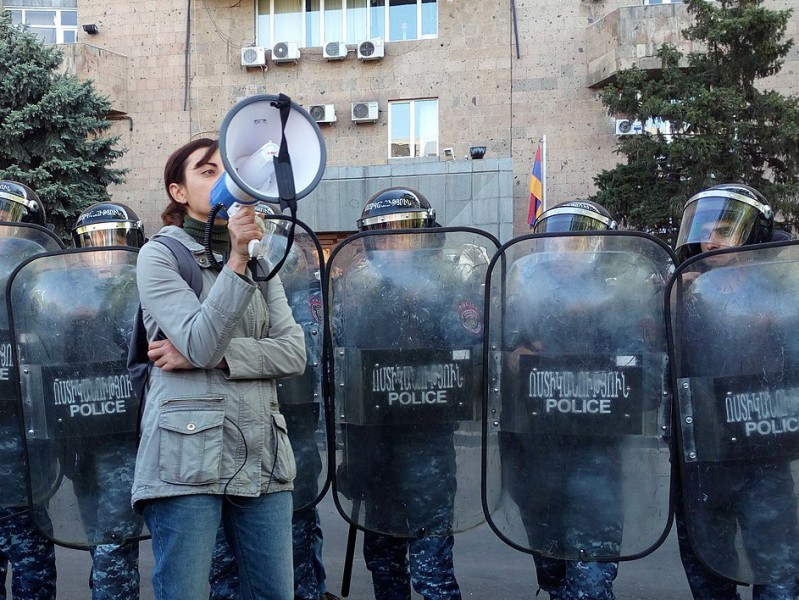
{"points": [[724, 128], [52, 128]]}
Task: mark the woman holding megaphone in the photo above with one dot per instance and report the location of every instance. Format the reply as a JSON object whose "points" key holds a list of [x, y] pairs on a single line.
{"points": [[214, 446]]}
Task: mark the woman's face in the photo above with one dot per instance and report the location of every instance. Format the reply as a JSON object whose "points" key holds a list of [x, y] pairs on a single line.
{"points": [[195, 192]]}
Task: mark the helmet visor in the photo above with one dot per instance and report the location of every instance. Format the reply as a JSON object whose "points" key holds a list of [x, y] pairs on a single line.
{"points": [[717, 221], [11, 211], [405, 220], [571, 219], [108, 234]]}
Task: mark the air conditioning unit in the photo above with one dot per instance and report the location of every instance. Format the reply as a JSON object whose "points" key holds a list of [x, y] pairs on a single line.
{"points": [[372, 49], [285, 52], [335, 51], [365, 112], [323, 113], [628, 127], [253, 56]]}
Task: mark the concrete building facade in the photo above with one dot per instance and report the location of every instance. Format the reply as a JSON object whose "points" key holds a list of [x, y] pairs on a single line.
{"points": [[502, 75]]}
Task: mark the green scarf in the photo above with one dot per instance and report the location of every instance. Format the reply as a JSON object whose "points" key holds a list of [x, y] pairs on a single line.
{"points": [[220, 238]]}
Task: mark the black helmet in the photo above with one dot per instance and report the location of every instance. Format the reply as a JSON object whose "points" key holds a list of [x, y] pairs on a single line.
{"points": [[108, 224], [727, 215], [20, 204], [575, 215], [397, 208]]}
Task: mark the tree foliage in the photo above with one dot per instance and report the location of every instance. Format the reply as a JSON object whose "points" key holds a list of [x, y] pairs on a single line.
{"points": [[52, 128], [724, 127]]}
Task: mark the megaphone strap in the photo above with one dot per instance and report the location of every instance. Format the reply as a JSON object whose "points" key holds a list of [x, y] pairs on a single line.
{"points": [[284, 174]]}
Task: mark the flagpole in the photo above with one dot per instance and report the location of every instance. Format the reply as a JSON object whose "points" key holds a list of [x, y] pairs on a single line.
{"points": [[544, 171]]}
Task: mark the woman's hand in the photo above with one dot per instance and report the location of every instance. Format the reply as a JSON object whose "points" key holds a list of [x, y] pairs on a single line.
{"points": [[243, 229], [165, 356]]}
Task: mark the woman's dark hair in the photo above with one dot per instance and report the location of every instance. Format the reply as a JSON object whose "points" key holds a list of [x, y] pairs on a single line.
{"points": [[175, 172]]}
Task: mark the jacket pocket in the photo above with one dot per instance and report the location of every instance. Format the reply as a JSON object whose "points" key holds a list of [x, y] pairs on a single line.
{"points": [[279, 457], [192, 432]]}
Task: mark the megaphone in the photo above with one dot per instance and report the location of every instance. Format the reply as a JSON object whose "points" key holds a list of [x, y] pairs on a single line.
{"points": [[250, 139]]}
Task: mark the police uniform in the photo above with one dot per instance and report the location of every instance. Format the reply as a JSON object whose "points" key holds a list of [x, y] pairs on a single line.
{"points": [[406, 474], [30, 554], [754, 498], [583, 472], [102, 474]]}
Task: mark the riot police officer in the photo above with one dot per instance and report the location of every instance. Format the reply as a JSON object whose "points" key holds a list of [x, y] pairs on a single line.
{"points": [[544, 466], [103, 473], [30, 554], [755, 495], [402, 299]]}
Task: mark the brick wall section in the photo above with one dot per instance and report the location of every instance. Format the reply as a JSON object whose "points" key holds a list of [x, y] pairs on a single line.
{"points": [[487, 96]]}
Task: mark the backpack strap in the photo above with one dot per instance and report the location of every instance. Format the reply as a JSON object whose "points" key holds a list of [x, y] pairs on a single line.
{"points": [[139, 364], [187, 267]]}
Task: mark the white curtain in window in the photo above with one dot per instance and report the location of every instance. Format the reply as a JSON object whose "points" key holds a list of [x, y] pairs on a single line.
{"points": [[426, 133], [288, 21], [334, 21], [356, 21]]}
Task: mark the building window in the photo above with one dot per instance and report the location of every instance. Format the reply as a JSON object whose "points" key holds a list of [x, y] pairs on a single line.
{"points": [[413, 128], [52, 25], [316, 22]]}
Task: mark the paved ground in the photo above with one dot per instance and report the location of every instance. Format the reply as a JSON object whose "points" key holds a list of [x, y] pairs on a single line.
{"points": [[486, 568]]}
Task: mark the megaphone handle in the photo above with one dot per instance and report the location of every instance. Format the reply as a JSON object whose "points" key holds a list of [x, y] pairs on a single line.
{"points": [[254, 248]]}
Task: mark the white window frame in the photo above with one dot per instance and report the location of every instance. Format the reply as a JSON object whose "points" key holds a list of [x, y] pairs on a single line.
{"points": [[59, 28], [344, 9], [412, 128]]}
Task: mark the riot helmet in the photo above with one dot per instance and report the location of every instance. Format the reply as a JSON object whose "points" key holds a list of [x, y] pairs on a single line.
{"points": [[397, 208], [108, 224], [20, 204], [575, 215], [270, 226], [723, 216]]}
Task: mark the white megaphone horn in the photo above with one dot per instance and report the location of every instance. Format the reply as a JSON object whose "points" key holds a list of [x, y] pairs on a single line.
{"points": [[250, 140]]}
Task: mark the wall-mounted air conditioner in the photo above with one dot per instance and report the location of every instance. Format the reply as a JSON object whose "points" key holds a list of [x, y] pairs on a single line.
{"points": [[253, 56], [365, 112], [323, 113], [335, 51], [371, 49], [628, 127], [285, 52]]}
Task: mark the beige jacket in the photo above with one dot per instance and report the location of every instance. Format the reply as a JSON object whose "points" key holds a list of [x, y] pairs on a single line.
{"points": [[204, 430]]}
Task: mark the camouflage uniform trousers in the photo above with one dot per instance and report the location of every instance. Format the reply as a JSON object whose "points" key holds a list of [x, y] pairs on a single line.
{"points": [[102, 482], [412, 491], [30, 554], [576, 505], [768, 538]]}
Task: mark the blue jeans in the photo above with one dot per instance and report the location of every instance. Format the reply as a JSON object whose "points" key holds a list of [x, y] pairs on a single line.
{"points": [[184, 531]]}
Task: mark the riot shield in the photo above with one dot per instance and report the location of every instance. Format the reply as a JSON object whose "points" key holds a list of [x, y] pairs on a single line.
{"points": [[406, 311], [733, 325], [577, 413], [18, 242], [301, 397], [71, 319]]}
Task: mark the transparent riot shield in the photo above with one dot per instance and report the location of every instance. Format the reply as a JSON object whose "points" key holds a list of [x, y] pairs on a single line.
{"points": [[577, 414], [736, 356], [71, 318], [18, 242], [301, 397], [406, 312]]}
